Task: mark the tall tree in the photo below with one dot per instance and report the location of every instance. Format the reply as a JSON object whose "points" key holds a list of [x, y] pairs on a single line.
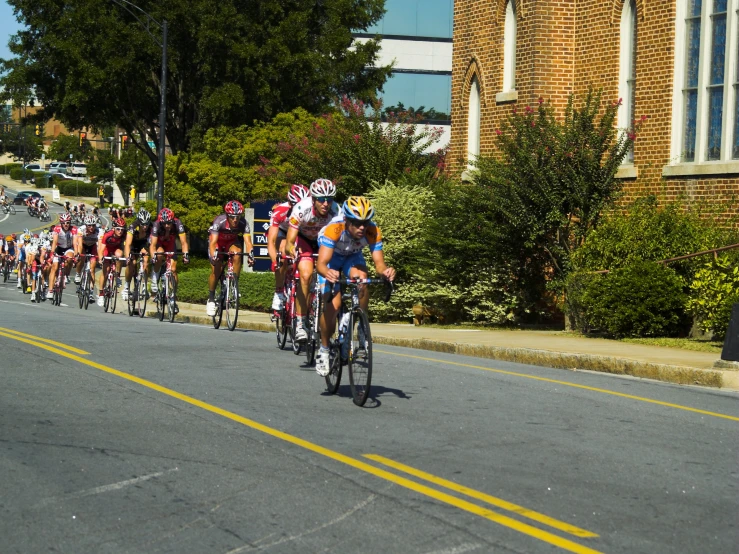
{"points": [[93, 63]]}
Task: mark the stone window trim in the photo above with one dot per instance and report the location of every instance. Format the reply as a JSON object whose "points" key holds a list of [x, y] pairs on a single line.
{"points": [[699, 169]]}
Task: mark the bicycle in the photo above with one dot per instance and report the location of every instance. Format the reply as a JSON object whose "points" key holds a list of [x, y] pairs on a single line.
{"points": [[7, 267], [166, 297], [352, 341], [110, 285], [139, 293], [284, 318], [87, 284], [44, 215], [40, 286], [8, 209], [228, 295], [58, 290]]}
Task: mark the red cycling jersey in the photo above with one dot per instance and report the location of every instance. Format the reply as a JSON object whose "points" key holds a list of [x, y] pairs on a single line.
{"points": [[111, 242]]}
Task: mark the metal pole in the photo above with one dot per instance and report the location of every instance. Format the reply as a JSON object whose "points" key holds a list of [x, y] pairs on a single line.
{"points": [[162, 120]]}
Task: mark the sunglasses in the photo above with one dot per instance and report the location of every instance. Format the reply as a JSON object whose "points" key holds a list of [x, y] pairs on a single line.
{"points": [[234, 216], [118, 228], [323, 199], [359, 222]]}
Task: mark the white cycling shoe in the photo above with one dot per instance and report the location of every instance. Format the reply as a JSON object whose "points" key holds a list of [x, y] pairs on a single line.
{"points": [[322, 363], [278, 301], [210, 308], [101, 301], [124, 294]]}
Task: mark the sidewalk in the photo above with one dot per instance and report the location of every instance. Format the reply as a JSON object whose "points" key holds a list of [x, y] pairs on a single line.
{"points": [[544, 348]]}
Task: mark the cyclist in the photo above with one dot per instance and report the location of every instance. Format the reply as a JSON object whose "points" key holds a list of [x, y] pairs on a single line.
{"points": [[137, 241], [229, 233], [163, 237], [21, 267], [308, 217], [88, 237], [36, 251], [62, 244], [278, 226], [111, 244], [341, 244], [8, 249], [3, 197]]}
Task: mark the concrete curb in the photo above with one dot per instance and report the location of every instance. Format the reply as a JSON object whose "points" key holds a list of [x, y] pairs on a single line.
{"points": [[716, 378]]}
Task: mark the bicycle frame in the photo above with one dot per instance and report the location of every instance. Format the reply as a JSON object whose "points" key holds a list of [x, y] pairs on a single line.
{"points": [[166, 296]]}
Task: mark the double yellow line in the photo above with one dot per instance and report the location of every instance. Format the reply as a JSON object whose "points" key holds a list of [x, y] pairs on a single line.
{"points": [[420, 488]]}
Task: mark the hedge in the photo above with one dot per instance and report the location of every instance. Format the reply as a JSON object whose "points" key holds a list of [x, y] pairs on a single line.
{"points": [[80, 188], [257, 289], [6, 168]]}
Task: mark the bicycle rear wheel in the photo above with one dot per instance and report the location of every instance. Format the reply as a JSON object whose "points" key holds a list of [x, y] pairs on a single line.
{"points": [[141, 295], [11, 208], [333, 379], [281, 327], [160, 301], [360, 357], [6, 271], [81, 293], [297, 347], [171, 297], [232, 302]]}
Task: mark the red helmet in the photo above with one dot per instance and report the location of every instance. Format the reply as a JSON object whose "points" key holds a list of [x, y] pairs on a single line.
{"points": [[65, 217], [119, 222], [297, 193], [234, 207], [166, 215]]}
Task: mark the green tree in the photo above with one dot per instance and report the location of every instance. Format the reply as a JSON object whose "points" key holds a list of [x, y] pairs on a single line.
{"points": [[64, 146], [135, 172], [100, 166], [93, 64]]}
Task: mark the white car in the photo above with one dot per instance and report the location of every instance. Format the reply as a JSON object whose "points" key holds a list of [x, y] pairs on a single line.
{"points": [[58, 167], [77, 168]]}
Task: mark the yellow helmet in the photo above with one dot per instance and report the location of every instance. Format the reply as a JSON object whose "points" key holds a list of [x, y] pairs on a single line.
{"points": [[26, 237], [358, 207]]}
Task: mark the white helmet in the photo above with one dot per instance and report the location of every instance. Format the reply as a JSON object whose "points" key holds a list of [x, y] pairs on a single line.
{"points": [[322, 187]]}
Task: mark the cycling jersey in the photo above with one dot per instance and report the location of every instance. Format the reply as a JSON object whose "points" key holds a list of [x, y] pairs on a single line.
{"points": [[136, 229], [226, 235], [65, 238], [334, 235], [89, 238], [111, 242], [307, 221], [280, 216], [165, 239]]}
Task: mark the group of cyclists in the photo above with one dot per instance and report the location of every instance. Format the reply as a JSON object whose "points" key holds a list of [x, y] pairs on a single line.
{"points": [[310, 229]]}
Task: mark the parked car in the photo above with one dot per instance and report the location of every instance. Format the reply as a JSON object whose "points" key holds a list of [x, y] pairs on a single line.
{"points": [[34, 167], [58, 167], [77, 168], [20, 198], [45, 175]]}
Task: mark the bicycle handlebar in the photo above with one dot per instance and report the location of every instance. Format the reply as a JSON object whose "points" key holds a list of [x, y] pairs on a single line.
{"points": [[389, 287]]}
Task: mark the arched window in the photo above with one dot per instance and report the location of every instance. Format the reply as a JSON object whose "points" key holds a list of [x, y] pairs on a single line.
{"points": [[509, 47], [473, 124], [627, 70]]}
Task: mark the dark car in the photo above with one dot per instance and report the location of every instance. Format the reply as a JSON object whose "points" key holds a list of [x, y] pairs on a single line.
{"points": [[20, 198]]}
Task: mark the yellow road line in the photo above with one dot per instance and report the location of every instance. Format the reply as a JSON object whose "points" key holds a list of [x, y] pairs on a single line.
{"points": [[566, 384], [499, 502], [506, 521], [59, 344]]}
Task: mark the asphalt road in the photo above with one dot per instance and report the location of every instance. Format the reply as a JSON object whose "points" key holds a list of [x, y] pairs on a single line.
{"points": [[10, 223], [131, 435]]}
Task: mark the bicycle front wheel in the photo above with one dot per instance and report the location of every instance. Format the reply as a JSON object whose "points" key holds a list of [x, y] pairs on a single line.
{"points": [[231, 304], [132, 294], [281, 327], [360, 357], [314, 328], [220, 295], [171, 297], [141, 294], [12, 209]]}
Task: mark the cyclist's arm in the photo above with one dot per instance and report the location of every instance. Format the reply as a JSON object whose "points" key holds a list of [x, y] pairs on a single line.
{"points": [[379, 259], [54, 242], [271, 241], [325, 253], [153, 248], [183, 244], [212, 244], [292, 236], [127, 246]]}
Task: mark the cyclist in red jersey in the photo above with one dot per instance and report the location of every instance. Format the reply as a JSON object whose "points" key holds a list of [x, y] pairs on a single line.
{"points": [[164, 234], [229, 233], [111, 244], [278, 225]]}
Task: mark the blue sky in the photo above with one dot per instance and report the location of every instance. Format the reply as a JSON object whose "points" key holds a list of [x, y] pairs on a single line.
{"points": [[8, 26]]}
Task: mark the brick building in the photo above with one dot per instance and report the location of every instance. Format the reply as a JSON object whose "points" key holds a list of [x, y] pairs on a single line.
{"points": [[675, 61]]}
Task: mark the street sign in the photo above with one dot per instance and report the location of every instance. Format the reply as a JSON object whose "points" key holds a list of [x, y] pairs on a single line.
{"points": [[55, 195], [262, 214]]}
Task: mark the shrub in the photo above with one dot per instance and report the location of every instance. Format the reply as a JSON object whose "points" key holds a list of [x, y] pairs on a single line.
{"points": [[643, 299], [79, 188], [16, 173], [256, 288], [713, 291], [6, 168]]}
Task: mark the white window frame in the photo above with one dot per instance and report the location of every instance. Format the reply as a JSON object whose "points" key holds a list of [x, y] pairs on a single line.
{"points": [[473, 124], [626, 76], [701, 166], [510, 32]]}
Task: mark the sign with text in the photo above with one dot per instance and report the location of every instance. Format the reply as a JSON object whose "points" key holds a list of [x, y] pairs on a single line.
{"points": [[262, 215]]}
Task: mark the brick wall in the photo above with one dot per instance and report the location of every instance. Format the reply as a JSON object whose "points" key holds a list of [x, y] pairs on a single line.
{"points": [[563, 47]]}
